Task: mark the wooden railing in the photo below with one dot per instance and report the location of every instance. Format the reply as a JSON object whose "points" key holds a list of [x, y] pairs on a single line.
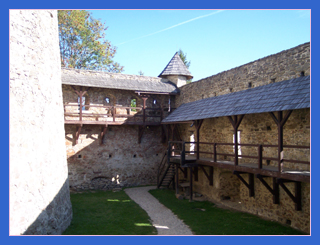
{"points": [[139, 114], [215, 153]]}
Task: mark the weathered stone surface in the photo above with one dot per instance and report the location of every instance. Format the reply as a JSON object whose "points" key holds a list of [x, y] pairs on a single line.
{"points": [[254, 129], [119, 162], [39, 193], [278, 67]]}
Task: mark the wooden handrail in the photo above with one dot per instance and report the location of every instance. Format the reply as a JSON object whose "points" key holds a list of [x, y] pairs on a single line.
{"points": [[260, 156], [86, 113]]}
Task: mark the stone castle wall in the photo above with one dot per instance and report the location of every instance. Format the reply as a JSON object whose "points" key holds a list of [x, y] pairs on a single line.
{"points": [[254, 129], [39, 187], [120, 161], [282, 66]]}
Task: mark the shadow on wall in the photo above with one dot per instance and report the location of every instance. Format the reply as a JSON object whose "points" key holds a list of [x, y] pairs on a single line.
{"points": [[118, 162], [56, 217]]}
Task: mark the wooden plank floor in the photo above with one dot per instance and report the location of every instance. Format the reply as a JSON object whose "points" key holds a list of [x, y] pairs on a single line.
{"points": [[270, 171]]}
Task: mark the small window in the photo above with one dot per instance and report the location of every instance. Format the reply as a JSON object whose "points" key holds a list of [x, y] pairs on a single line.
{"points": [[133, 103], [239, 142], [192, 145], [154, 101], [83, 103], [107, 99], [250, 85]]}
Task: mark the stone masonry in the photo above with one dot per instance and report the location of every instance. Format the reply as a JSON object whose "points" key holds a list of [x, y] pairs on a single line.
{"points": [[278, 67], [120, 161], [254, 129], [39, 188]]}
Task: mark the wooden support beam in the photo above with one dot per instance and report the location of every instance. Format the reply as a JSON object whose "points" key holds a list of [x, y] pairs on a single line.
{"points": [[274, 191], [198, 124], [280, 121], [235, 124], [210, 175], [185, 173], [295, 198], [249, 185], [144, 98], [77, 134], [102, 134], [177, 179]]}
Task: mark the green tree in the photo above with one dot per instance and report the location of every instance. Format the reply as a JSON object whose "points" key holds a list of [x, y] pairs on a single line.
{"points": [[83, 44], [187, 63]]}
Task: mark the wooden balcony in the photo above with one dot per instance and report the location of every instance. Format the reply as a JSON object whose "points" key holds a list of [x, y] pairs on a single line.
{"points": [[297, 170], [280, 173], [113, 115]]}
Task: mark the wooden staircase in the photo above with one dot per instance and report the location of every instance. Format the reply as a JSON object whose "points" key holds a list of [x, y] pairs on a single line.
{"points": [[167, 177], [167, 166]]}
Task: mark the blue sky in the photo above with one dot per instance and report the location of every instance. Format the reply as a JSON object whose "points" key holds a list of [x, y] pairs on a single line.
{"points": [[214, 40]]}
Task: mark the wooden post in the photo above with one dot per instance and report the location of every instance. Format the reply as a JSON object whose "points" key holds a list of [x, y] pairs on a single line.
{"points": [[276, 199], [260, 156], [177, 179], [198, 126], [215, 152], [235, 135], [280, 121], [144, 108], [235, 124], [280, 142]]}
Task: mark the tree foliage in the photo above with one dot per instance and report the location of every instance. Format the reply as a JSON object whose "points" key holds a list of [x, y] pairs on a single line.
{"points": [[183, 57], [83, 44], [187, 63]]}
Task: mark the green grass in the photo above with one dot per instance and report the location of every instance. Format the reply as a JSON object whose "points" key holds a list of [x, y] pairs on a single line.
{"points": [[204, 218], [107, 213]]}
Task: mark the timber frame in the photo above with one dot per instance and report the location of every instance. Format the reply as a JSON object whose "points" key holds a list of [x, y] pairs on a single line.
{"points": [[279, 175], [140, 119]]}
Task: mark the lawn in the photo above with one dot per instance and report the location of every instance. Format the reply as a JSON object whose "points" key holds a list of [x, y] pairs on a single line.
{"points": [[107, 213], [114, 213], [204, 218]]}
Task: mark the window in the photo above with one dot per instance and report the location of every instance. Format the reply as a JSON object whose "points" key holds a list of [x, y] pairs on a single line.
{"points": [[83, 103], [107, 99], [192, 145], [239, 147], [133, 104]]}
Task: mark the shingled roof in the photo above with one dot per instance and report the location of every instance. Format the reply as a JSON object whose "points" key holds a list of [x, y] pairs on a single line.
{"points": [[286, 95], [176, 67], [101, 79]]}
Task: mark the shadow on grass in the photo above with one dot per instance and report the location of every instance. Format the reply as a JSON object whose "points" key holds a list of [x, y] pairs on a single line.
{"points": [[204, 218], [107, 213]]}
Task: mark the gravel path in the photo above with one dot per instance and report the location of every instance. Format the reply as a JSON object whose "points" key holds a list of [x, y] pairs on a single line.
{"points": [[162, 218]]}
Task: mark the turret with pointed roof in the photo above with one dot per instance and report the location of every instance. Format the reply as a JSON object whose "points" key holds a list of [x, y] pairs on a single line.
{"points": [[176, 71]]}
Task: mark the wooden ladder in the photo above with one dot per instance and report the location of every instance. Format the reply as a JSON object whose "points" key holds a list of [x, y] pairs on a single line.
{"points": [[166, 172]]}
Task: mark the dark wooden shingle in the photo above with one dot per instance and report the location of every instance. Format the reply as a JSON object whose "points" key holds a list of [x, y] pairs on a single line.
{"points": [[286, 95]]}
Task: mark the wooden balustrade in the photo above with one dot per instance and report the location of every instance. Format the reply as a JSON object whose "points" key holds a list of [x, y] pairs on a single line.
{"points": [[141, 114], [259, 155]]}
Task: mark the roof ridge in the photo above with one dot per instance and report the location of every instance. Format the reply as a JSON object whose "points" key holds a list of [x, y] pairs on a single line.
{"points": [[176, 67]]}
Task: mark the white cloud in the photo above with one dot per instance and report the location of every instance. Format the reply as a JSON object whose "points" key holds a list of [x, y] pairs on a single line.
{"points": [[174, 26]]}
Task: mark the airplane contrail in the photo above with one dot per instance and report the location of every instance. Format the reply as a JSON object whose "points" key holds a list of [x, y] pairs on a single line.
{"points": [[182, 23]]}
